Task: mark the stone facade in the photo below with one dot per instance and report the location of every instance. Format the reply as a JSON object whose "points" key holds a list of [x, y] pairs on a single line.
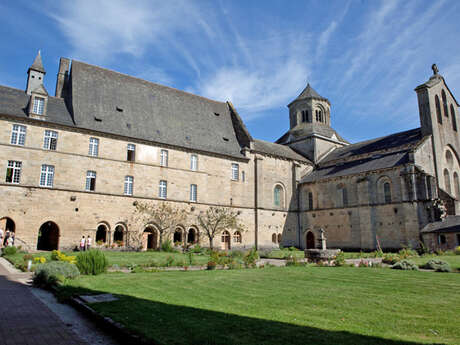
{"points": [[365, 195]]}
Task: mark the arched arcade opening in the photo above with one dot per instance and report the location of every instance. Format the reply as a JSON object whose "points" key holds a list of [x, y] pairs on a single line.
{"points": [[48, 236]]}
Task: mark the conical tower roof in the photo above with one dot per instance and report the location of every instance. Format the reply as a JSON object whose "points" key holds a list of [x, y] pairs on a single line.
{"points": [[309, 93], [38, 64]]}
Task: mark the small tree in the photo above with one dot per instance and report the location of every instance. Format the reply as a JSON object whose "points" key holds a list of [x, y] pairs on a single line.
{"points": [[218, 219], [164, 216]]}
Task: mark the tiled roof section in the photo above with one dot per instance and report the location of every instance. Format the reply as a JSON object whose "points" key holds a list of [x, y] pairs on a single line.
{"points": [[308, 93], [390, 142], [38, 64], [383, 161], [449, 224], [309, 129], [116, 103], [14, 102], [277, 150]]}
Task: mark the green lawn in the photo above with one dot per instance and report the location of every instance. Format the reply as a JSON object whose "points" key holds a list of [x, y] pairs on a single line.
{"points": [[284, 253], [293, 305], [125, 259]]}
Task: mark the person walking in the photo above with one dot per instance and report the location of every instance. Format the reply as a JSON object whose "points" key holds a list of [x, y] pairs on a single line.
{"points": [[82, 243], [88, 243], [7, 235], [1, 237]]}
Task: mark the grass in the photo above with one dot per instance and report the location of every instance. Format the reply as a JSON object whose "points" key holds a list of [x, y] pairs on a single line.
{"points": [[283, 253], [452, 260], [293, 305], [125, 259]]}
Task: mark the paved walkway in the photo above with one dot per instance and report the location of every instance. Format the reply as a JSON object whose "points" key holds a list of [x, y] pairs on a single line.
{"points": [[24, 319]]}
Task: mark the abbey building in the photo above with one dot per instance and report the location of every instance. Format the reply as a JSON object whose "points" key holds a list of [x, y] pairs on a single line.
{"points": [[76, 163]]}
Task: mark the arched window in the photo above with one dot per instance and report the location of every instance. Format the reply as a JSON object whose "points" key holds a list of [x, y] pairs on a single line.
{"points": [[118, 234], [310, 200], [274, 238], [438, 109], [447, 181], [304, 115], [387, 192], [279, 238], [278, 196], [456, 185], [453, 117], [237, 237], [101, 234], [449, 159], [444, 103]]}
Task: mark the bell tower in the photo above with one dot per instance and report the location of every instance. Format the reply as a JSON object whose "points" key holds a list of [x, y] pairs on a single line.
{"points": [[309, 107], [310, 131]]}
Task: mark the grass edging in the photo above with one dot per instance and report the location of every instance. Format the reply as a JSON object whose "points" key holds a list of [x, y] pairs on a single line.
{"points": [[106, 323]]}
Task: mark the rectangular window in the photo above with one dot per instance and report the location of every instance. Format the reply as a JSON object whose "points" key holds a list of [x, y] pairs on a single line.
{"points": [[129, 180], [93, 147], [13, 172], [18, 135], [90, 180], [235, 171], [131, 156], [39, 104], [50, 140], [164, 158], [243, 176], [47, 176], [194, 162], [193, 192], [163, 189]]}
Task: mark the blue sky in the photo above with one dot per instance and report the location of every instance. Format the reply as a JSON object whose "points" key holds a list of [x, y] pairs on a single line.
{"points": [[366, 57]]}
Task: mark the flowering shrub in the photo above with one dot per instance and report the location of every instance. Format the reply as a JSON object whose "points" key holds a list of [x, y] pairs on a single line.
{"points": [[40, 260], [457, 250], [57, 255]]}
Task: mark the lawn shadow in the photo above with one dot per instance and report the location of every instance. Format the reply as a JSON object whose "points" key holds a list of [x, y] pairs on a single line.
{"points": [[169, 324]]}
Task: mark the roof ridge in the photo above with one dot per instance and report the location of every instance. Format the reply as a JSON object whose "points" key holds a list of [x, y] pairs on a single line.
{"points": [[378, 138], [149, 82]]}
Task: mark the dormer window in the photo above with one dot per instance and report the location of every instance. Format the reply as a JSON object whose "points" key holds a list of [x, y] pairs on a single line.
{"points": [[39, 105]]}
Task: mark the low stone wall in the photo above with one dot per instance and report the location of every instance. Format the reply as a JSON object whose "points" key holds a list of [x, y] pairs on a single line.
{"points": [[316, 255]]}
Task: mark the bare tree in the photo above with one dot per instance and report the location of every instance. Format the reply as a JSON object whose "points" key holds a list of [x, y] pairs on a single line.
{"points": [[218, 219], [162, 215]]}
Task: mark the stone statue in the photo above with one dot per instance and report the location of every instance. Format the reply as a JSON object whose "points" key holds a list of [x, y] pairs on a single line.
{"points": [[440, 209], [322, 238], [435, 69]]}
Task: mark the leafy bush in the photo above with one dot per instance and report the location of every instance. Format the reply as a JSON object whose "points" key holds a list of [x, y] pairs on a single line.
{"points": [[251, 257], [339, 259], [457, 250], [405, 265], [49, 274], [169, 261], [92, 262], [390, 259], [167, 246], [407, 253], [437, 265], [377, 254], [190, 259], [292, 249], [236, 254], [10, 250], [197, 249]]}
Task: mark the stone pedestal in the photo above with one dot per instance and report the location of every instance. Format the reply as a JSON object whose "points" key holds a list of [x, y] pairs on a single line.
{"points": [[316, 255]]}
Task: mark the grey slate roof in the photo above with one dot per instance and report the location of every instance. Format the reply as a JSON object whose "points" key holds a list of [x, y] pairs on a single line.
{"points": [[15, 102], [277, 150], [116, 103], [38, 64], [308, 93], [358, 166], [306, 129], [389, 142], [449, 224]]}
